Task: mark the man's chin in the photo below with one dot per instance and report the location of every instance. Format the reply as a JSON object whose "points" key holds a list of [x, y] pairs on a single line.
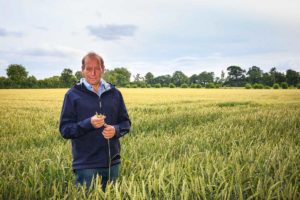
{"points": [[94, 82]]}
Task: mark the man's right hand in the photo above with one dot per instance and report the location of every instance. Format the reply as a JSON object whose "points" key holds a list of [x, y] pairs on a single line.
{"points": [[97, 122]]}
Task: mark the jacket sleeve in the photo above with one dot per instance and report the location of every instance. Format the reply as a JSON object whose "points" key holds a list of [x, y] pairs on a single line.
{"points": [[69, 127], [124, 122]]}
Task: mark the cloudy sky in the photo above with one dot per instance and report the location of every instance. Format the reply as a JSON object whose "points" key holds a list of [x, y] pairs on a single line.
{"points": [[160, 36]]}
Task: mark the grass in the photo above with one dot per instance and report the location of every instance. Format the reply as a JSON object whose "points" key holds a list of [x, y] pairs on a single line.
{"points": [[184, 144]]}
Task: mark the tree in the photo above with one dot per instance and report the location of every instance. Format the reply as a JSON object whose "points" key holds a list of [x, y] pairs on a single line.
{"points": [[163, 80], [16, 73], [222, 79], [118, 76], [67, 78], [179, 78], [139, 80], [236, 76], [194, 79], [254, 75], [292, 77], [206, 77], [31, 82], [267, 79], [277, 77], [149, 78], [51, 82], [78, 75]]}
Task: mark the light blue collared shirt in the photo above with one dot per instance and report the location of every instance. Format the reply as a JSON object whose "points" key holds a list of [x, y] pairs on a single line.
{"points": [[101, 89]]}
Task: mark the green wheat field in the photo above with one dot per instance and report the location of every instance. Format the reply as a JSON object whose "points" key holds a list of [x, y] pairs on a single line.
{"points": [[184, 144]]}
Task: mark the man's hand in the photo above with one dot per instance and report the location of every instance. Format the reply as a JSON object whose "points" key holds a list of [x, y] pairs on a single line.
{"points": [[109, 131], [97, 122]]}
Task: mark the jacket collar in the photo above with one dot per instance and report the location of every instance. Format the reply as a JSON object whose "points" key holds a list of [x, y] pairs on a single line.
{"points": [[105, 86]]}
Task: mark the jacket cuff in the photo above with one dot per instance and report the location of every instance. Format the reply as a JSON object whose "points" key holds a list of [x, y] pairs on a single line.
{"points": [[117, 128], [86, 124]]}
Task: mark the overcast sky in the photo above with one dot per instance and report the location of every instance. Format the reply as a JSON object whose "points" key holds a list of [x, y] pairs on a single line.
{"points": [[160, 36]]}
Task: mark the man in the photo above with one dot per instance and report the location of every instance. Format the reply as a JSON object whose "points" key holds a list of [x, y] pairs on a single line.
{"points": [[95, 140]]}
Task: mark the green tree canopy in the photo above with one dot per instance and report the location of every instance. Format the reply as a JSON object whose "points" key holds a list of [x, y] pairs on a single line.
{"points": [[236, 76], [254, 74], [78, 75], [67, 78], [16, 72], [149, 78], [118, 76], [179, 78], [292, 77]]}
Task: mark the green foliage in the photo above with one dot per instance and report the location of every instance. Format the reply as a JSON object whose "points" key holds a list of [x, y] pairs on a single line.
{"points": [[18, 78], [171, 85], [258, 86], [16, 73], [298, 85], [236, 76], [194, 85], [292, 77], [248, 86], [254, 75], [284, 85], [184, 85], [67, 78], [117, 76], [78, 75], [276, 86], [267, 87], [163, 80], [210, 85], [179, 78], [157, 85], [149, 78], [217, 86]]}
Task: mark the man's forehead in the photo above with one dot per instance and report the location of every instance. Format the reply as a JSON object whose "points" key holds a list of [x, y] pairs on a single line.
{"points": [[92, 61]]}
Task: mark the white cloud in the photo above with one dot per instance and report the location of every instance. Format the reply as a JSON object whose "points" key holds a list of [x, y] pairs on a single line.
{"points": [[112, 31]]}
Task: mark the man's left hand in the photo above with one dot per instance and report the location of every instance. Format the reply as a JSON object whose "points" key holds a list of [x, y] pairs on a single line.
{"points": [[109, 131]]}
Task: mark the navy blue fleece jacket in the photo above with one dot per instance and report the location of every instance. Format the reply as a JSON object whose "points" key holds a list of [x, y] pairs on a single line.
{"points": [[89, 147]]}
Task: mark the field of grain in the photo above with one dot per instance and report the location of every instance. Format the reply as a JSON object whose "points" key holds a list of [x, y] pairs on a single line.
{"points": [[184, 144]]}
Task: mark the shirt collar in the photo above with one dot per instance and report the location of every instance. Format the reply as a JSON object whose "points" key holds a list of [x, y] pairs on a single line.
{"points": [[101, 89]]}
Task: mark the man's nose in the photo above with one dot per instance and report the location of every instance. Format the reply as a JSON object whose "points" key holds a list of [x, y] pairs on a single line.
{"points": [[94, 72]]}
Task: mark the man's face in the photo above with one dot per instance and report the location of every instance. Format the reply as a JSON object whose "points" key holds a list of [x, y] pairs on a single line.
{"points": [[92, 71]]}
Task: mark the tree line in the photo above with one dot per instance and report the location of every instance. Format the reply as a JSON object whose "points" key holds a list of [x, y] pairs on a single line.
{"points": [[254, 77]]}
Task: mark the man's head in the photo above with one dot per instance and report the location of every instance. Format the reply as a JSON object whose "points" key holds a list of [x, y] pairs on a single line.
{"points": [[92, 68]]}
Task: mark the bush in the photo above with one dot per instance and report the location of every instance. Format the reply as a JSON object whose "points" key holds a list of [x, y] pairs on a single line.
{"points": [[198, 86], [284, 85], [142, 85], [171, 85], [134, 86], [267, 87], [210, 85], [276, 86], [298, 85], [193, 85], [127, 86], [184, 85], [157, 85], [148, 86], [258, 86], [248, 86], [217, 85]]}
